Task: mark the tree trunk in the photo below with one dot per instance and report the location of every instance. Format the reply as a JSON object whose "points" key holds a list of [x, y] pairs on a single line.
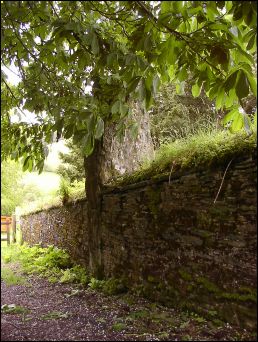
{"points": [[110, 158], [94, 182]]}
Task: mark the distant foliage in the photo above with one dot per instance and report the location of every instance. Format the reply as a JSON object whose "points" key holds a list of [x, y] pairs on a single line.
{"points": [[11, 190], [72, 163], [176, 116]]}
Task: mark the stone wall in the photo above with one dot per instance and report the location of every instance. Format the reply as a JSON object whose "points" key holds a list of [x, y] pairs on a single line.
{"points": [[170, 241]]}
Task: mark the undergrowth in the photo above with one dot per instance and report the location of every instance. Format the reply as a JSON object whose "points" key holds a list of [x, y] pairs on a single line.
{"points": [[204, 149], [55, 264]]}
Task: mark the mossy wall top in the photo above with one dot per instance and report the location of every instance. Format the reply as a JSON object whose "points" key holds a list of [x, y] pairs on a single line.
{"points": [[171, 239]]}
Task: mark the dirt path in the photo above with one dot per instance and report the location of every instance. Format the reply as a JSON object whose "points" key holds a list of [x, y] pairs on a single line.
{"points": [[61, 312]]}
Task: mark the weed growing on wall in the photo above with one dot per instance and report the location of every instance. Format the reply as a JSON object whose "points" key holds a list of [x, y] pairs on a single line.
{"points": [[202, 149]]}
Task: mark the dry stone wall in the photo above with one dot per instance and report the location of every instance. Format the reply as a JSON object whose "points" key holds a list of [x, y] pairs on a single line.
{"points": [[170, 241]]}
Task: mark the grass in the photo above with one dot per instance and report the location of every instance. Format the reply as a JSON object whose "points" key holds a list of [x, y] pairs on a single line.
{"points": [[11, 278], [204, 149]]}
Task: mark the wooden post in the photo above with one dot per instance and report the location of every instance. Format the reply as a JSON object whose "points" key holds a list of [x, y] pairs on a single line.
{"points": [[5, 228], [8, 232], [14, 227]]}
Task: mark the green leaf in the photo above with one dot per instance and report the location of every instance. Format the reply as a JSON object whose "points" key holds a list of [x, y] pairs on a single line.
{"points": [[68, 131], [251, 42], [220, 98], [213, 90], [116, 107], [99, 128], [87, 144], [26, 163], [196, 90], [237, 123], [111, 58], [133, 84], [165, 6], [182, 75], [94, 44], [246, 56], [230, 116], [252, 82], [219, 26], [242, 87], [164, 18], [147, 43], [231, 98], [90, 123], [230, 82], [238, 13], [123, 109]]}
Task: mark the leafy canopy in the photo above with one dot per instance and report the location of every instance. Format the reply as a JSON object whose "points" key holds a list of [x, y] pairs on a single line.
{"points": [[124, 50]]}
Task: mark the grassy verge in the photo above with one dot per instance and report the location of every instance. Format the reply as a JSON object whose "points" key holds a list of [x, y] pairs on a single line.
{"points": [[204, 149]]}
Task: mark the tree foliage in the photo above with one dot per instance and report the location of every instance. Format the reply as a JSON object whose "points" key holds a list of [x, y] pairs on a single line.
{"points": [[124, 50], [174, 116], [71, 167], [11, 190]]}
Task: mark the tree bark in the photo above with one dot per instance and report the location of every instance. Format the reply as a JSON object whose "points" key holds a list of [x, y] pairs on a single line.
{"points": [[109, 158], [93, 186]]}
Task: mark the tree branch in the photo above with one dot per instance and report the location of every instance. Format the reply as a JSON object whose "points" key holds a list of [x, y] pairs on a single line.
{"points": [[177, 34]]}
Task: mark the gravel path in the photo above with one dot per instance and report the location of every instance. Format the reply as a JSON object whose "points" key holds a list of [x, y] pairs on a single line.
{"points": [[66, 312]]}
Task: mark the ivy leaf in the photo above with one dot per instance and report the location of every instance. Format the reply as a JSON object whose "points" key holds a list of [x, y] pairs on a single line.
{"points": [[99, 129]]}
